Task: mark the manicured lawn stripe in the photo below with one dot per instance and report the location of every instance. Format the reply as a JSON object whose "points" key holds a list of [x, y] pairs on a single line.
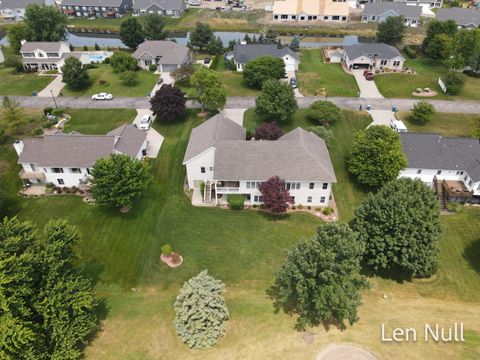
{"points": [[97, 121], [21, 84]]}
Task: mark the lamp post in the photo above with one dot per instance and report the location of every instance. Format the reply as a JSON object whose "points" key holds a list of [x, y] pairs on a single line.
{"points": [[54, 101]]}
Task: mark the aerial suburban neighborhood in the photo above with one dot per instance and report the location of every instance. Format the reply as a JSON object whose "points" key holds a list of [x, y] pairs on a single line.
{"points": [[240, 179]]}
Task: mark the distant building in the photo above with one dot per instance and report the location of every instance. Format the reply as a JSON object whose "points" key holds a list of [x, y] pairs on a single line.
{"points": [[373, 57], [465, 18], [14, 10], [166, 55], [96, 8], [172, 8], [430, 4], [380, 11], [310, 10], [242, 54]]}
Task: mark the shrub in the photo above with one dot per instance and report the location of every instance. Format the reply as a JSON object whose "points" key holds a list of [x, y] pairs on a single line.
{"points": [[202, 187], [57, 112], [300, 207], [129, 77], [453, 206], [97, 47], [327, 211], [166, 250], [323, 112], [90, 66], [15, 63], [106, 60], [3, 135], [47, 110], [323, 132], [268, 131], [410, 51], [257, 71], [276, 197], [236, 201], [85, 48], [37, 131], [152, 67], [454, 82], [122, 61], [422, 112], [276, 101]]}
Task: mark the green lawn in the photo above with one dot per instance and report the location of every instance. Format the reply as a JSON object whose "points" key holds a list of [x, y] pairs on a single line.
{"points": [[314, 76], [145, 82], [428, 72], [244, 249], [97, 121], [21, 84]]}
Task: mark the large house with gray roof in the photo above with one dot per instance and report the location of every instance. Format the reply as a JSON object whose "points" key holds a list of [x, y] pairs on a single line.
{"points": [[451, 165], [465, 18], [373, 57], [96, 8], [380, 11], [66, 160], [219, 155], [172, 8], [243, 53], [166, 55], [14, 10]]}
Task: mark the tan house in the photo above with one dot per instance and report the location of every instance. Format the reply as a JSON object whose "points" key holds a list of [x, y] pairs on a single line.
{"points": [[310, 10]]}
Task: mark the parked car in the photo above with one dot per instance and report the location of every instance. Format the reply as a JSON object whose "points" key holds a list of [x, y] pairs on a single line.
{"points": [[206, 61], [160, 81], [293, 83], [368, 75], [102, 96], [146, 122]]}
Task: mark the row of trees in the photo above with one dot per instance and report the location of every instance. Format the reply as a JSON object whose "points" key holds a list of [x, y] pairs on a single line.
{"points": [[133, 33]]}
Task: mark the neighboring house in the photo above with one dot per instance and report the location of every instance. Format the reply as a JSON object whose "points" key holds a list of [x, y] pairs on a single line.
{"points": [[465, 18], [430, 4], [310, 10], [2, 57], [96, 8], [173, 8], [381, 11], [219, 155], [242, 54], [52, 55], [449, 164], [167, 55], [66, 160], [373, 57], [14, 10]]}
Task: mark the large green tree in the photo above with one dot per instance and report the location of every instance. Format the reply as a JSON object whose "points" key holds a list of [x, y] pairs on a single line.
{"points": [[15, 34], [376, 156], [436, 27], [153, 27], [208, 89], [320, 280], [201, 312], [276, 102], [168, 103], [400, 227], [117, 181], [256, 71], [323, 112], [131, 32], [74, 74], [122, 61], [45, 23], [12, 114], [391, 31], [200, 36], [440, 47]]}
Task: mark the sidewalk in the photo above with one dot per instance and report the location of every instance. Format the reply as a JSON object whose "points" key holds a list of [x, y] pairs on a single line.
{"points": [[54, 87]]}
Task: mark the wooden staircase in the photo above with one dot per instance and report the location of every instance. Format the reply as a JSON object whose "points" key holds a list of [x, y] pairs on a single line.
{"points": [[439, 191], [207, 194]]}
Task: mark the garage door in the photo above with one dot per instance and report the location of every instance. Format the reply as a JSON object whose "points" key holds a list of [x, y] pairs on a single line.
{"points": [[169, 68]]}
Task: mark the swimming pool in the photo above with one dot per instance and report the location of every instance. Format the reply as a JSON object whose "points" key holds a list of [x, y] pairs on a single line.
{"points": [[98, 57]]}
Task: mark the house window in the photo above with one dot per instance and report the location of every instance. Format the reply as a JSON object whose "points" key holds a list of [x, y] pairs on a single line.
{"points": [[283, 17], [325, 18], [302, 17], [89, 172], [275, 17], [292, 199], [311, 186], [309, 199], [344, 18], [315, 18], [335, 17], [470, 183], [396, 63], [419, 171], [465, 178], [202, 169], [439, 172], [310, 17], [57, 170], [148, 62], [75, 170], [461, 172], [294, 17], [52, 54], [60, 182], [325, 186], [293, 185], [258, 198], [383, 62], [33, 167], [322, 199]]}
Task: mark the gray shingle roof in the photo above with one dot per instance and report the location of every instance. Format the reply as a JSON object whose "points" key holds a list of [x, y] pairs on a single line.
{"points": [[432, 151], [401, 9], [244, 53], [50, 46], [168, 51], [297, 156], [19, 4], [381, 51], [461, 16], [114, 3], [77, 150], [162, 4]]}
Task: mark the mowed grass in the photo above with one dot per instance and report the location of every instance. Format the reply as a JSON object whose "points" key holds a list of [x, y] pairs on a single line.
{"points": [[314, 75], [97, 121], [145, 82], [21, 84], [244, 249], [428, 72]]}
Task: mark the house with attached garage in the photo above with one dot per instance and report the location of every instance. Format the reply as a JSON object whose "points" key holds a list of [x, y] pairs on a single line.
{"points": [[310, 10], [96, 8], [243, 53], [172, 8], [166, 55], [465, 18], [450, 165], [373, 57], [380, 11], [66, 160], [14, 10], [219, 156]]}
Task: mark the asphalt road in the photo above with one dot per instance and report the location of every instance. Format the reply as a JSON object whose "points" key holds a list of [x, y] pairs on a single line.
{"points": [[472, 107]]}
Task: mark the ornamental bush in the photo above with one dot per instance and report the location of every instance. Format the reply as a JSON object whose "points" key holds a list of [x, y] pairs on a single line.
{"points": [[166, 250], [236, 201], [323, 112]]}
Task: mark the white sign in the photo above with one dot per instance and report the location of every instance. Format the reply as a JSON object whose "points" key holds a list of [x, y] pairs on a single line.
{"points": [[442, 85]]}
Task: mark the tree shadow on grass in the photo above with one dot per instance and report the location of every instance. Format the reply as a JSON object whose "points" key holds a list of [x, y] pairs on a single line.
{"points": [[472, 255], [394, 274], [273, 217]]}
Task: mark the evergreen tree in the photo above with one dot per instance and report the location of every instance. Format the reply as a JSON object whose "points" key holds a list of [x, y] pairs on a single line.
{"points": [[153, 27], [200, 36], [391, 31], [131, 33], [295, 44]]}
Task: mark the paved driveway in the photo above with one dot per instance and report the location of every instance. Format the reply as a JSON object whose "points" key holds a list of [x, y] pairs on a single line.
{"points": [[167, 79], [154, 138], [368, 89], [235, 115], [54, 87], [382, 117], [345, 352]]}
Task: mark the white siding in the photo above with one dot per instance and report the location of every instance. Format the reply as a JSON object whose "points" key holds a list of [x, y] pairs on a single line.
{"points": [[194, 168]]}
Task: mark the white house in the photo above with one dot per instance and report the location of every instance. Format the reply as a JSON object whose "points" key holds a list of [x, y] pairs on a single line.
{"points": [[65, 160], [219, 156], [380, 11], [166, 55], [243, 53], [373, 57], [14, 10], [451, 165], [429, 4], [311, 10], [172, 8]]}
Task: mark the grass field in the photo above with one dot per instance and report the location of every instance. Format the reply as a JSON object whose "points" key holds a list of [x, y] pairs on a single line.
{"points": [[313, 76], [145, 83], [428, 72], [21, 84], [244, 249], [97, 121]]}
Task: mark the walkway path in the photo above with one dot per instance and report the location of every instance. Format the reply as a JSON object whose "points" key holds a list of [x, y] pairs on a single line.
{"points": [[345, 352], [154, 138], [54, 87], [235, 115]]}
